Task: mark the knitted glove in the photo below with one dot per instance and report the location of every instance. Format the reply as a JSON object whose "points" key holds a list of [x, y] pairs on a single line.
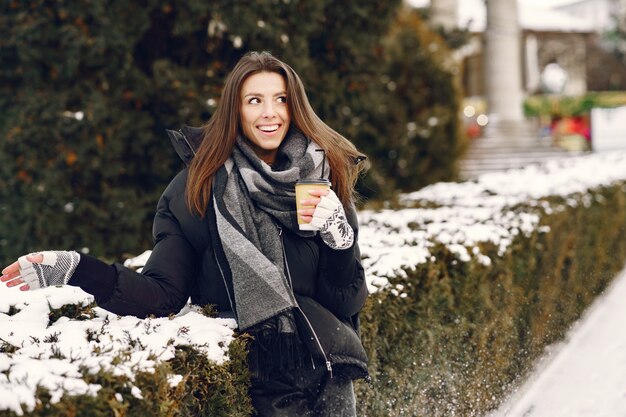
{"points": [[56, 268], [330, 219]]}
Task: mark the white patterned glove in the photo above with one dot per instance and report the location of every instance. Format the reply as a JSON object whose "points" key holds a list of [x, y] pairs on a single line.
{"points": [[56, 268], [329, 218]]}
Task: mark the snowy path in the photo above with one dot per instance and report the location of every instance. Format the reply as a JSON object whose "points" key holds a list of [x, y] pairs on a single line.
{"points": [[586, 375]]}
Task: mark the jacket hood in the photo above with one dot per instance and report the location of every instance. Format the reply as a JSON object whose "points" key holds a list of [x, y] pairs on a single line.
{"points": [[186, 141]]}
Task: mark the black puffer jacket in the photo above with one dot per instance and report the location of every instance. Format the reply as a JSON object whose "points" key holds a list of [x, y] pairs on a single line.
{"points": [[188, 261]]}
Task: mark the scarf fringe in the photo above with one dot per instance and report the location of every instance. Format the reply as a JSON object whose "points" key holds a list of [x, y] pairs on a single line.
{"points": [[271, 352]]}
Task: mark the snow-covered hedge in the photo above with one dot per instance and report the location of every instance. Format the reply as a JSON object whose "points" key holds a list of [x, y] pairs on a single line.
{"points": [[60, 352], [494, 210], [478, 277], [469, 282]]}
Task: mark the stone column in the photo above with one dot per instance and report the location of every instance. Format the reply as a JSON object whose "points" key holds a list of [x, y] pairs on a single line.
{"points": [[533, 72], [502, 65]]}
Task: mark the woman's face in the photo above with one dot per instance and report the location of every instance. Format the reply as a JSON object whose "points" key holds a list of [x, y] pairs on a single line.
{"points": [[264, 113]]}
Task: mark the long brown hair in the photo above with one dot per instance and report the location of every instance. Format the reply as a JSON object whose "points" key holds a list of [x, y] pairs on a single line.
{"points": [[221, 131]]}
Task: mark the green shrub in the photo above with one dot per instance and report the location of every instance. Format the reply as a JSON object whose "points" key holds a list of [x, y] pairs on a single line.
{"points": [[548, 105], [88, 88], [133, 367], [466, 333], [411, 128], [206, 389], [445, 337]]}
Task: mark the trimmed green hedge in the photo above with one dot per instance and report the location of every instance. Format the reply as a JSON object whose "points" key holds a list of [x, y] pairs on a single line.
{"points": [[449, 338], [465, 334], [207, 390]]}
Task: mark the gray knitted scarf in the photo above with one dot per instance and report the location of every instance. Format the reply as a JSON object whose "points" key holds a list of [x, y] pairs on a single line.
{"points": [[253, 203]]}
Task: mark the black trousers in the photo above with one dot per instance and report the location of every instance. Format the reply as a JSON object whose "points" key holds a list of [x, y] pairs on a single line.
{"points": [[304, 392]]}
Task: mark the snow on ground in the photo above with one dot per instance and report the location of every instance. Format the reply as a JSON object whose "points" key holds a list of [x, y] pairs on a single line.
{"points": [[391, 241], [584, 375]]}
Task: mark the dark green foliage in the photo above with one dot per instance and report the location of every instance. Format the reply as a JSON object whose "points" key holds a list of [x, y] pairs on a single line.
{"points": [[69, 183], [158, 398], [133, 69], [466, 333], [552, 106], [464, 336], [210, 390], [453, 37], [209, 310], [207, 389], [6, 347], [13, 310], [72, 311], [412, 131]]}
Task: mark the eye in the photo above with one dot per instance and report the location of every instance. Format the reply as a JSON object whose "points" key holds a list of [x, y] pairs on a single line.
{"points": [[254, 100], [282, 99]]}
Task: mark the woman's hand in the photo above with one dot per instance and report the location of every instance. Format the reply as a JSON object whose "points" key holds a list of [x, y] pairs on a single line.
{"points": [[11, 274], [307, 214], [329, 217], [40, 270]]}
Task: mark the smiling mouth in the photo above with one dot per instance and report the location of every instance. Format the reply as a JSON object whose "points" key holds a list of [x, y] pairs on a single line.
{"points": [[269, 128]]}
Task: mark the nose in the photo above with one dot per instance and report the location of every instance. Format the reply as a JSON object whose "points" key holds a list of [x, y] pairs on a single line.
{"points": [[268, 109]]}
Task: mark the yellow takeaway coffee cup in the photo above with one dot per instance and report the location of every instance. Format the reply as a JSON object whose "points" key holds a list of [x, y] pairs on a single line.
{"points": [[302, 192]]}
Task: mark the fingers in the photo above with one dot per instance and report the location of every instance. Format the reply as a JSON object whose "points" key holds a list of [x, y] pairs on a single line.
{"points": [[306, 219], [12, 280], [15, 282], [316, 194], [310, 201], [306, 211], [306, 214], [14, 267], [11, 274], [319, 192], [36, 258]]}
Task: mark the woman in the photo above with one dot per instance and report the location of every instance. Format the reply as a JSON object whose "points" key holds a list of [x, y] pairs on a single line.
{"points": [[226, 233]]}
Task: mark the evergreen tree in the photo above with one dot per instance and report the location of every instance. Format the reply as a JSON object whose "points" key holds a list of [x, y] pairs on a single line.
{"points": [[87, 88], [413, 133]]}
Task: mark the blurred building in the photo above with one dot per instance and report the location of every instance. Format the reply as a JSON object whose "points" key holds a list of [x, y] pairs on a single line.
{"points": [[526, 47], [599, 13], [604, 71], [568, 35]]}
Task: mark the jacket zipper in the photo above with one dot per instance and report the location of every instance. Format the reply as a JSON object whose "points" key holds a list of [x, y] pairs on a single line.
{"points": [[329, 366], [230, 301]]}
